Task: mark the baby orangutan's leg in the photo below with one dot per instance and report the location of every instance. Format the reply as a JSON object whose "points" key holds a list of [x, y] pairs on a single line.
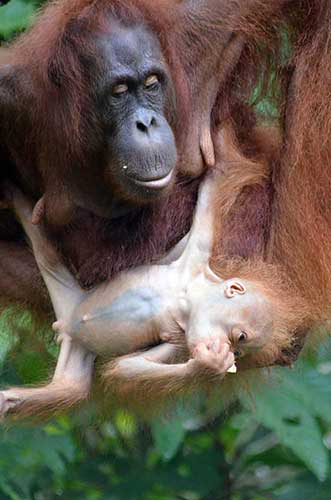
{"points": [[69, 386], [63, 288], [73, 375]]}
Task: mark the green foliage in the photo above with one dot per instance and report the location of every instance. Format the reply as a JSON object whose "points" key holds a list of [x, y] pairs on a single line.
{"points": [[168, 437], [274, 446], [16, 16], [291, 414]]}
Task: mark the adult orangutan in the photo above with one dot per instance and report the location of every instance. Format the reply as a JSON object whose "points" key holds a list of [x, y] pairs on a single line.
{"points": [[62, 139], [83, 80]]}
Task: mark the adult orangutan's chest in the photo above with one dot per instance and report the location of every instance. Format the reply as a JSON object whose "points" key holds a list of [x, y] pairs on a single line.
{"points": [[97, 249]]}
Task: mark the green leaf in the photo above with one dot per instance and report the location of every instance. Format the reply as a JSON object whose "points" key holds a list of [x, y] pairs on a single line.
{"points": [[15, 16], [168, 436], [287, 412], [4, 486], [304, 489], [125, 423]]}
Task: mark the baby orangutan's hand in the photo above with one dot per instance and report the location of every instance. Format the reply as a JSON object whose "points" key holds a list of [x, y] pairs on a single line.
{"points": [[212, 355]]}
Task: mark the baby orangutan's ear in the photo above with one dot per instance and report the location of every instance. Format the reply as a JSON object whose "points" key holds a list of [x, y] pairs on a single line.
{"points": [[234, 287]]}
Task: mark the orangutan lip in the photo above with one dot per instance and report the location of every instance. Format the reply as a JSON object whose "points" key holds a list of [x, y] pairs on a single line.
{"points": [[156, 183]]}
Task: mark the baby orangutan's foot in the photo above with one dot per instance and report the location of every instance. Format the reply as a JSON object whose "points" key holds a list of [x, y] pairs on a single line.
{"points": [[214, 356], [8, 401]]}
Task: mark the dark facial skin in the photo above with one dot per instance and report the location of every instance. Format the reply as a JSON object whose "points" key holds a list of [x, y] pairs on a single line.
{"points": [[140, 146]]}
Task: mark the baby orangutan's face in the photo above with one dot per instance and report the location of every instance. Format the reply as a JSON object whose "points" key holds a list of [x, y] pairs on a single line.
{"points": [[232, 312]]}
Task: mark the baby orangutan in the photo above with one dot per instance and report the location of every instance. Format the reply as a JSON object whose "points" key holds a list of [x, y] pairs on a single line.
{"points": [[180, 296]]}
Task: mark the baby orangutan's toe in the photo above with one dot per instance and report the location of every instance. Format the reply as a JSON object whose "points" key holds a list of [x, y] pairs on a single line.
{"points": [[59, 327]]}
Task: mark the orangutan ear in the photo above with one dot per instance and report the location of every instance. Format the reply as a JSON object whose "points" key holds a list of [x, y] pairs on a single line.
{"points": [[234, 287]]}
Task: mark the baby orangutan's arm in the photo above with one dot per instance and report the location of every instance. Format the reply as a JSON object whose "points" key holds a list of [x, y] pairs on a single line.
{"points": [[154, 370], [199, 241]]}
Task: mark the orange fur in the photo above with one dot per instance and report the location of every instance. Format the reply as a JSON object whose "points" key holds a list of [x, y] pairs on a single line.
{"points": [[47, 400]]}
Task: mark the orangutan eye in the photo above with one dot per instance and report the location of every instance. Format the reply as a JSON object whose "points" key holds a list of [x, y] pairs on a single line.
{"points": [[121, 88], [242, 337], [237, 354], [151, 81]]}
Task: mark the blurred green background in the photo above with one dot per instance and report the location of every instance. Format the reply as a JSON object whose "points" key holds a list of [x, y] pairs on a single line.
{"points": [[273, 444]]}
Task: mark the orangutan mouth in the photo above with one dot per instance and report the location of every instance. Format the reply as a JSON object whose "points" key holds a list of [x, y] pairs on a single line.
{"points": [[159, 183]]}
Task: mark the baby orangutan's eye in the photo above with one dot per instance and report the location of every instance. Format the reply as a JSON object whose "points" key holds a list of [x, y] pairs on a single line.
{"points": [[242, 337], [237, 353]]}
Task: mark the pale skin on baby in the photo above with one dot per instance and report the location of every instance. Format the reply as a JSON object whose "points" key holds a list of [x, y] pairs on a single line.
{"points": [[220, 319]]}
